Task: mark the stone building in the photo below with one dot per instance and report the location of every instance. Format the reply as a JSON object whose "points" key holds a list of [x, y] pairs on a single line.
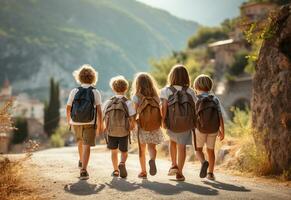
{"points": [[237, 92], [26, 107]]}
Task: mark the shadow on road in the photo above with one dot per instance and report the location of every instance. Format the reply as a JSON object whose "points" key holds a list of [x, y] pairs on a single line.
{"points": [[169, 189], [226, 186], [83, 188], [122, 185]]}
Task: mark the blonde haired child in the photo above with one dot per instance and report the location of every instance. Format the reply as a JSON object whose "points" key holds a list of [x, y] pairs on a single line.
{"points": [[119, 121], [149, 134], [84, 121]]}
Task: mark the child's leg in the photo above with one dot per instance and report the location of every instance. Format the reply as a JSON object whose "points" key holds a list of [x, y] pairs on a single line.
{"points": [[142, 157], [200, 155], [152, 151], [200, 141], [181, 157], [210, 143], [85, 156], [153, 154], [211, 159], [114, 158], [123, 157], [173, 152], [80, 149]]}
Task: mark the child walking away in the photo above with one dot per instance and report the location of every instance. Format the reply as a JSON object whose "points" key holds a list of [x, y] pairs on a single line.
{"points": [[148, 132], [119, 120], [84, 114], [178, 113], [209, 124]]}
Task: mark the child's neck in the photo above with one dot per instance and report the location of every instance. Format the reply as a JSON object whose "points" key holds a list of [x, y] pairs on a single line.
{"points": [[120, 93], [201, 92]]}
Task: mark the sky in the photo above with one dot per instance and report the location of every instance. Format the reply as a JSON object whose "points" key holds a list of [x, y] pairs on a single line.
{"points": [[205, 12]]}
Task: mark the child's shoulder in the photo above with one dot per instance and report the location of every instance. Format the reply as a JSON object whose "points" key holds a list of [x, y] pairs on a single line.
{"points": [[95, 90], [74, 91], [190, 91]]}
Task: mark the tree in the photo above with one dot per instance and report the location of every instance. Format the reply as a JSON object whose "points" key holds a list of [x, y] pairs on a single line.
{"points": [[206, 35], [51, 110], [240, 62], [228, 25], [20, 134], [161, 69]]}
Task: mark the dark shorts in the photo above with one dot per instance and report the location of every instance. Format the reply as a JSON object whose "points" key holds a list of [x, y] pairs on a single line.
{"points": [[118, 142]]}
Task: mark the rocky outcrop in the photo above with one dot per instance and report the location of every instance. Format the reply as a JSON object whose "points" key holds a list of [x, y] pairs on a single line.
{"points": [[271, 102]]}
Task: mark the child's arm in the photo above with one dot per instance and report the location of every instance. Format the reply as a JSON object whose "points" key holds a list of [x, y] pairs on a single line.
{"points": [[100, 126], [68, 114], [164, 106], [221, 128], [131, 122]]}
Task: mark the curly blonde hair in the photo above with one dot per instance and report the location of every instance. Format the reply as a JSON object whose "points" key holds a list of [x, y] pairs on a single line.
{"points": [[118, 84], [86, 74], [145, 85]]}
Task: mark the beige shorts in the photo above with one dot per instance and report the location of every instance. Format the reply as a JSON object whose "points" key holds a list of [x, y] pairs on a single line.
{"points": [[204, 138], [85, 133]]}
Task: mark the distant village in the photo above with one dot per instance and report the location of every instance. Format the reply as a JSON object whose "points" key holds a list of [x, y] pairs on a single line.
{"points": [[237, 92]]}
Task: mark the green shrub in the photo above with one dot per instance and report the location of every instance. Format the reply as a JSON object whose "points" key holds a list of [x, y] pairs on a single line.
{"points": [[20, 134], [58, 137], [250, 157], [206, 35], [240, 62], [241, 123]]}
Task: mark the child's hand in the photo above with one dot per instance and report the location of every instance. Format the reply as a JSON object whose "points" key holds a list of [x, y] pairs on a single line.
{"points": [[99, 130], [164, 125], [220, 135]]}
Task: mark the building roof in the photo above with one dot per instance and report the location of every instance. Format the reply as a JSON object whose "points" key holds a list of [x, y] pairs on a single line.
{"points": [[221, 42], [250, 4]]}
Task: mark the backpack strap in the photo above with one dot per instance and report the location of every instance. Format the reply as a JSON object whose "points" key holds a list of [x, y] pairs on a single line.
{"points": [[95, 120], [173, 89], [185, 89]]}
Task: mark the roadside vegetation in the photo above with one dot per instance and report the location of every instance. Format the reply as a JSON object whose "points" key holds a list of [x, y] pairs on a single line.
{"points": [[12, 186]]}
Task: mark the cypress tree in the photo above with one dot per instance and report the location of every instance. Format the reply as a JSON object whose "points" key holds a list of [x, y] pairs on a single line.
{"points": [[51, 110]]}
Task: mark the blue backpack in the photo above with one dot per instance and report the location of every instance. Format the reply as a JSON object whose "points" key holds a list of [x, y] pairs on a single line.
{"points": [[83, 106]]}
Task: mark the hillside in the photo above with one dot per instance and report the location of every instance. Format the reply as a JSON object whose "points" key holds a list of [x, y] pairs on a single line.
{"points": [[40, 39]]}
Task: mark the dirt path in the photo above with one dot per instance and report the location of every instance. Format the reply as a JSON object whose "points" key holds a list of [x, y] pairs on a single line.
{"points": [[55, 174]]}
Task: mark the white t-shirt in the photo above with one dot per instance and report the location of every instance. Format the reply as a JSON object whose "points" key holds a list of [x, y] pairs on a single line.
{"points": [[129, 103], [166, 92], [73, 92]]}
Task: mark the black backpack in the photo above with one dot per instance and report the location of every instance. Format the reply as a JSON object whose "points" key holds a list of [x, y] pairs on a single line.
{"points": [[207, 114], [83, 106]]}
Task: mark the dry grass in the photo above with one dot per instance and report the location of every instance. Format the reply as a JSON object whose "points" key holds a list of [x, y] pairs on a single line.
{"points": [[12, 186], [245, 155], [5, 117]]}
